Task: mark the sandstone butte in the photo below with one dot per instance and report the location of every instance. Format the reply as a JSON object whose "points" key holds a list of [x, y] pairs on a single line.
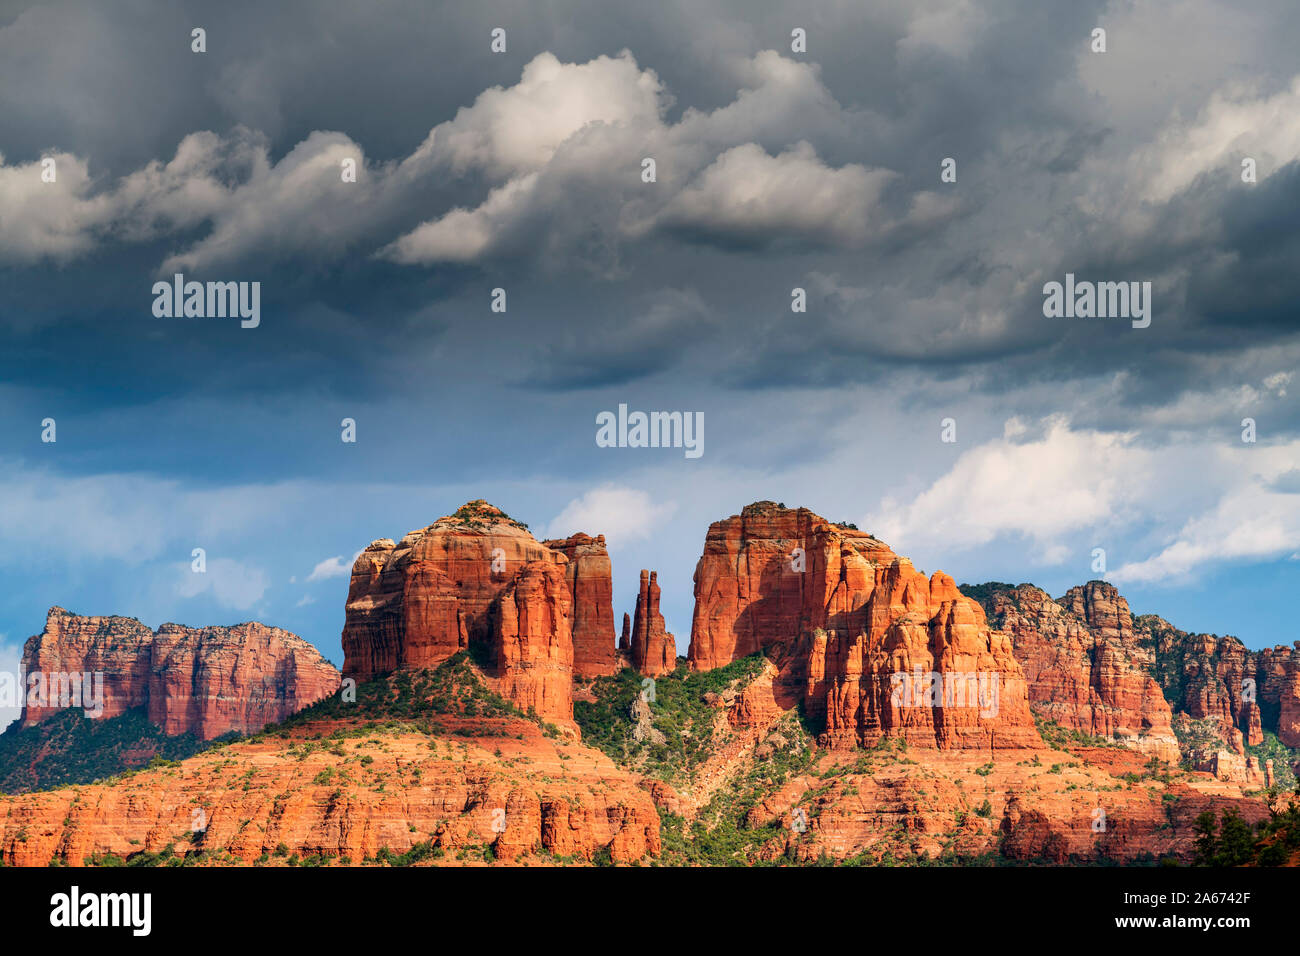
{"points": [[840, 614], [590, 579], [538, 613], [208, 681]]}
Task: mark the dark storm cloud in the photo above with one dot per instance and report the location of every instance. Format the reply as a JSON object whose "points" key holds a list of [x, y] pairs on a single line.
{"points": [[776, 171]]}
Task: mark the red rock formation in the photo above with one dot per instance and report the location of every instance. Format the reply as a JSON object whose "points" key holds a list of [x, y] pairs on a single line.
{"points": [[477, 577], [416, 603], [206, 681], [625, 639], [1083, 664], [591, 584], [1217, 678], [872, 647], [532, 643], [559, 799], [1288, 693], [1231, 693], [117, 647], [654, 651]]}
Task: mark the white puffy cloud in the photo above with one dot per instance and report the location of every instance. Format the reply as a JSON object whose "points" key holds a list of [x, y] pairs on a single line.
{"points": [[1258, 519], [297, 206], [556, 158], [1038, 488], [747, 196], [69, 216], [511, 131], [620, 513], [228, 582], [464, 235], [1062, 489], [334, 567], [1237, 122]]}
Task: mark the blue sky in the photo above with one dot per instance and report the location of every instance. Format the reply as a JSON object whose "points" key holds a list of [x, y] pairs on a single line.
{"points": [[522, 170]]}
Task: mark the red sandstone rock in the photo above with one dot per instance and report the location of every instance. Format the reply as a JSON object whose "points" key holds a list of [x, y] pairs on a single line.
{"points": [[654, 652], [625, 639], [871, 646], [1218, 676], [390, 791], [591, 584], [416, 603], [532, 644], [118, 647], [478, 577], [207, 681], [1288, 692], [1084, 666]]}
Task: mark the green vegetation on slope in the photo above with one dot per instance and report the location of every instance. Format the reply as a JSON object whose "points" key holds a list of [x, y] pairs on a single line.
{"points": [[70, 748], [452, 689], [679, 711], [1283, 757], [1231, 841], [722, 833], [984, 593]]}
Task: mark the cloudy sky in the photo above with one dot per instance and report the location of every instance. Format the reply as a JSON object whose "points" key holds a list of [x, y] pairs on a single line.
{"points": [[522, 170]]}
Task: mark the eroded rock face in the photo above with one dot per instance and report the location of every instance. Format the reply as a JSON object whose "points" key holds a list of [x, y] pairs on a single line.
{"points": [[540, 611], [1288, 693], [1210, 677], [869, 645], [653, 649], [590, 579], [532, 643], [1083, 665], [558, 798], [118, 647], [1093, 667], [415, 603], [207, 681]]}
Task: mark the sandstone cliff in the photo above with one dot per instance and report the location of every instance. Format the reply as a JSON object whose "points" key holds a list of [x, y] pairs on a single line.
{"points": [[1218, 679], [1085, 669], [477, 579], [590, 579], [479, 790], [532, 644], [206, 681], [867, 644]]}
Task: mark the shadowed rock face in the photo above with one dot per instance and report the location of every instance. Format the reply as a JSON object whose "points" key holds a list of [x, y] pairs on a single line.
{"points": [[1084, 666], [590, 580], [867, 643], [540, 612], [207, 681]]}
